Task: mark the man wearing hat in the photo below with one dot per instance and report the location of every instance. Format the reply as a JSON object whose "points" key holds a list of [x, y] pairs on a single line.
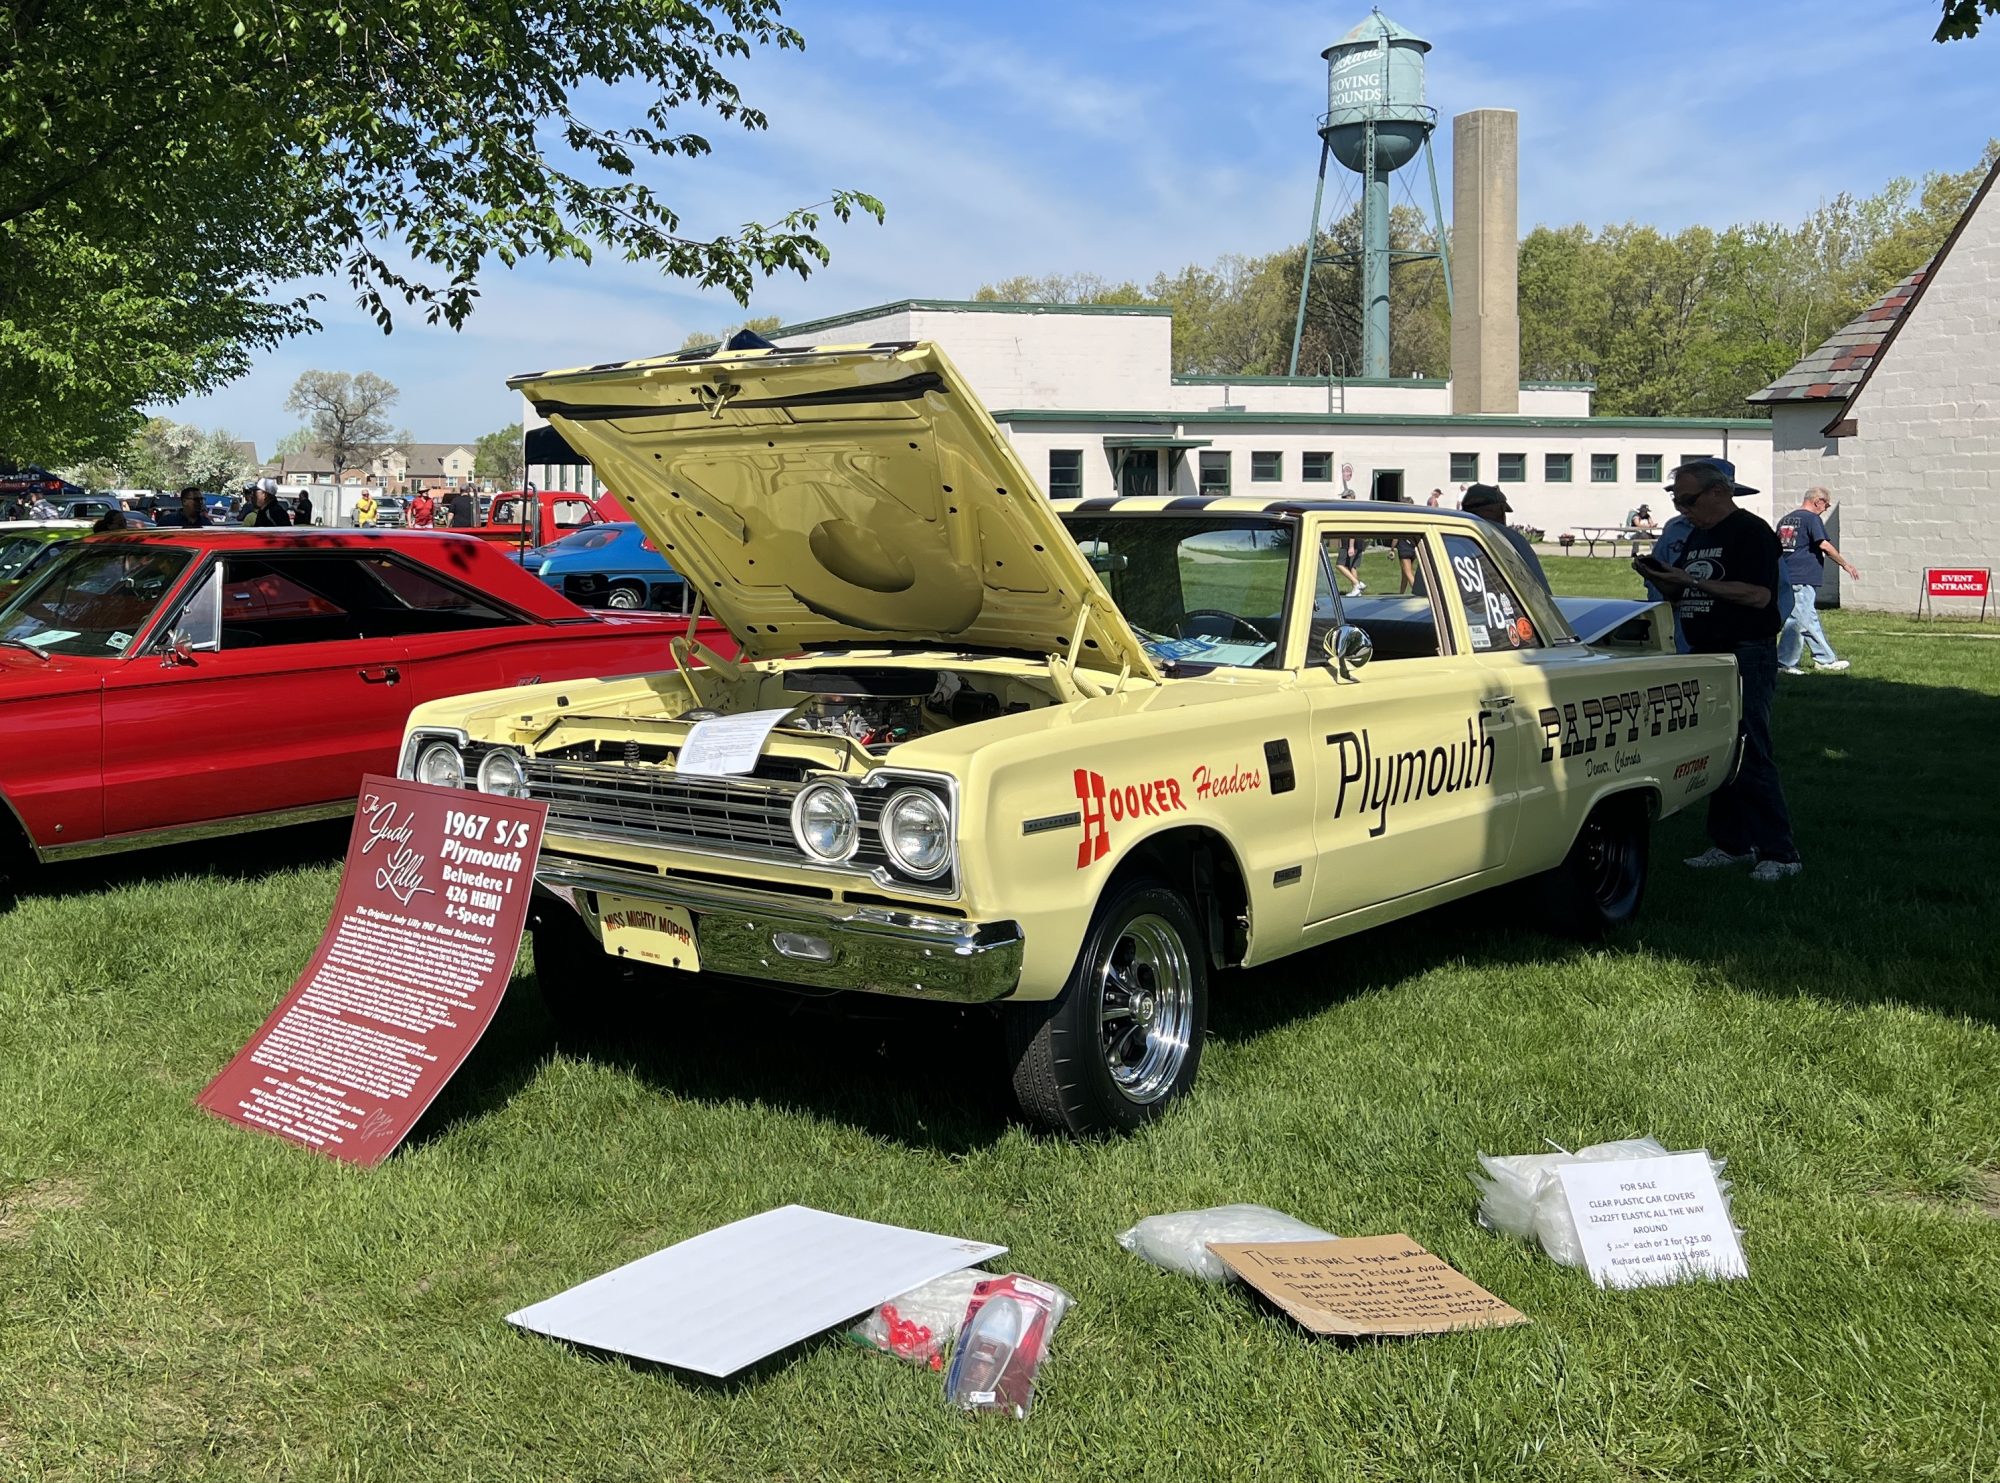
{"points": [[1488, 503], [1724, 588]]}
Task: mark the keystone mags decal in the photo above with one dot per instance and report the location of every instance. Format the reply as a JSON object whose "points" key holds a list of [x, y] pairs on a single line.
{"points": [[1379, 783], [1610, 720]]}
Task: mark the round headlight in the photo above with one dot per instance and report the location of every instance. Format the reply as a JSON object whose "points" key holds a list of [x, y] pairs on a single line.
{"points": [[825, 822], [440, 765], [916, 831], [502, 771]]}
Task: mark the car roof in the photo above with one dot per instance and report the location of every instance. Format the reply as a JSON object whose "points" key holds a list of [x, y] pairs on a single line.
{"points": [[1248, 504], [463, 557]]}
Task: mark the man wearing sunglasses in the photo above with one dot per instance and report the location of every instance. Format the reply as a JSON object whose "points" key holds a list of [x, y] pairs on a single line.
{"points": [[1724, 587]]}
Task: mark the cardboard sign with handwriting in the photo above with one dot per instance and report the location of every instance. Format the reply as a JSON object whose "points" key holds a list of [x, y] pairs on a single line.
{"points": [[406, 978], [1366, 1285]]}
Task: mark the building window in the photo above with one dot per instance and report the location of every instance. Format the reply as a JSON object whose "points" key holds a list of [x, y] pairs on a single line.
{"points": [[1555, 468], [1646, 467], [1465, 468], [1214, 473], [1513, 468], [1267, 468], [1604, 468], [1065, 473], [1691, 457], [1316, 468]]}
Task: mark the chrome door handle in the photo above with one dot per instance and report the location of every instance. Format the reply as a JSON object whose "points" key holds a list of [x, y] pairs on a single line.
{"points": [[1494, 705]]}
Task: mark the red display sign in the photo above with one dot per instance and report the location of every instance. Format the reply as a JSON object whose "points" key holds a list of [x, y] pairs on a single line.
{"points": [[405, 980], [1956, 581]]}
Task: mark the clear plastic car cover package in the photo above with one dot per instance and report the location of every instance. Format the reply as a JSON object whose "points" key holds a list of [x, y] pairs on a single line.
{"points": [[1520, 1195], [1008, 1326], [1179, 1242]]}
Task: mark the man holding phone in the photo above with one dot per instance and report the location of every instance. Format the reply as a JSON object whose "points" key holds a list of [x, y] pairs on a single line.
{"points": [[1724, 588]]}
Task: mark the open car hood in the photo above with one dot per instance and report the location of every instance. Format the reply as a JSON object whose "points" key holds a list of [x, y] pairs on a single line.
{"points": [[840, 495]]}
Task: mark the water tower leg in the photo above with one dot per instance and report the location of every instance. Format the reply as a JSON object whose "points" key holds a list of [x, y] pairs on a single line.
{"points": [[1374, 265], [1437, 220], [1312, 241]]}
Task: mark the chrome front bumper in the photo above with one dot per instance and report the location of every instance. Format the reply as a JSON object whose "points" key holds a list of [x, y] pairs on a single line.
{"points": [[825, 944]]}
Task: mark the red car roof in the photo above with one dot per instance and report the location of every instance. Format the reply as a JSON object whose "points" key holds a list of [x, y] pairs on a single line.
{"points": [[479, 564]]}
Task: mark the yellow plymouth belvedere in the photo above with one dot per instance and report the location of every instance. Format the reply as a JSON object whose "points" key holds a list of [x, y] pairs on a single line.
{"points": [[1070, 763]]}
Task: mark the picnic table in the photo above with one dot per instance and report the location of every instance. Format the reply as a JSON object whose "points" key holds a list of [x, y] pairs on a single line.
{"points": [[1611, 536]]}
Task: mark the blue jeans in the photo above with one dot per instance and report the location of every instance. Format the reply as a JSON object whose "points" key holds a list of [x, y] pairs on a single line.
{"points": [[1802, 630], [1749, 813]]}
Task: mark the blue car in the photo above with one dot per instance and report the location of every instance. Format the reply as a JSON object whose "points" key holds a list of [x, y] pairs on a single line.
{"points": [[611, 565]]}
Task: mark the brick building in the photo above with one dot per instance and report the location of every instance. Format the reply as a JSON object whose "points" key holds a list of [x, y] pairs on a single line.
{"points": [[1898, 415]]}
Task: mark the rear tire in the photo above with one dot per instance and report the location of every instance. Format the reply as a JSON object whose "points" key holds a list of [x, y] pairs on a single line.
{"points": [[626, 598], [1602, 881], [1123, 1041]]}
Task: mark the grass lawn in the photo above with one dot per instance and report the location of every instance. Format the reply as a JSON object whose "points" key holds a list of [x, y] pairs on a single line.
{"points": [[182, 1299]]}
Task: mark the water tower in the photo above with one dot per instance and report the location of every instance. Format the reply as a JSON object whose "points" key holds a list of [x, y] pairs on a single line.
{"points": [[1376, 123]]}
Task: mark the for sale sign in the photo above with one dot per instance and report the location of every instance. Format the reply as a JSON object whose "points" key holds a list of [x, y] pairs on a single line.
{"points": [[405, 980], [1956, 581]]}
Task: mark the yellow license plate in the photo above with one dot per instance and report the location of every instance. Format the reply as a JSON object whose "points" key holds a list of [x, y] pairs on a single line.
{"points": [[649, 932]]}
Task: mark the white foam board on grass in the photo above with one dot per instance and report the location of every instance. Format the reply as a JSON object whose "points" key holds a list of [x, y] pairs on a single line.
{"points": [[729, 1297]]}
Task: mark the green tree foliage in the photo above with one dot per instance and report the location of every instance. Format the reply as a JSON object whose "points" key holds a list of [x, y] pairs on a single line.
{"points": [[165, 164], [168, 455], [500, 456], [292, 444], [1962, 18], [348, 415], [1682, 324]]}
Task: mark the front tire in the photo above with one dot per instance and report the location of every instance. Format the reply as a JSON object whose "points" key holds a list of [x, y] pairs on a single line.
{"points": [[1602, 880], [1123, 1041], [590, 995]]}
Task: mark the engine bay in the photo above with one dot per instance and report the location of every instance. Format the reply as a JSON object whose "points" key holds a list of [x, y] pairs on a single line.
{"points": [[879, 708]]}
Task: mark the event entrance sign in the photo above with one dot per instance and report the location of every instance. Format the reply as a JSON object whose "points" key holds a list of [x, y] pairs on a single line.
{"points": [[406, 978], [1955, 581], [1647, 1221]]}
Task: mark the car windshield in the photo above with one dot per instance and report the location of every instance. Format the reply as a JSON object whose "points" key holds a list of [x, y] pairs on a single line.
{"points": [[16, 552], [93, 603], [1199, 591]]}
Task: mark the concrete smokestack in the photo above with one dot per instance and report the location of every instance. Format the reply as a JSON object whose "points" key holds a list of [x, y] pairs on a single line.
{"points": [[1485, 261]]}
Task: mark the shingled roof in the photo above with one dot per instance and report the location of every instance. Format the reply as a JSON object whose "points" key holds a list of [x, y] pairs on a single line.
{"points": [[1832, 372]]}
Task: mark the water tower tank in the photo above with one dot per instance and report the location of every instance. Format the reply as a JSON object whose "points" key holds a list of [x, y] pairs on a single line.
{"points": [[1375, 74]]}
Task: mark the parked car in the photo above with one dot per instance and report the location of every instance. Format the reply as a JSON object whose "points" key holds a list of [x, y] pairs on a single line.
{"points": [[179, 682], [536, 519], [612, 565], [390, 512], [1067, 767], [28, 545]]}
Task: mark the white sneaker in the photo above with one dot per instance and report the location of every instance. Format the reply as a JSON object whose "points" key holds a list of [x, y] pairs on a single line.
{"points": [[1768, 871], [1715, 855], [1790, 669], [1832, 666], [1359, 588]]}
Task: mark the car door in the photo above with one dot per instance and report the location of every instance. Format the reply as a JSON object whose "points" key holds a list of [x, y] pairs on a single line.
{"points": [[284, 701], [1414, 785]]}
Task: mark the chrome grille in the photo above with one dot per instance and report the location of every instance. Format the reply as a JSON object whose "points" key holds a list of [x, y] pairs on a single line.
{"points": [[747, 818]]}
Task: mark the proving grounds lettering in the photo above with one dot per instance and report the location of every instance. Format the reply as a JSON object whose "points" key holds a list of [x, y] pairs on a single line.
{"points": [[1610, 720]]}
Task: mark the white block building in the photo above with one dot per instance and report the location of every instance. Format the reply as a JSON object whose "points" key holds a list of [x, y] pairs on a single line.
{"points": [[1898, 416], [1088, 395]]}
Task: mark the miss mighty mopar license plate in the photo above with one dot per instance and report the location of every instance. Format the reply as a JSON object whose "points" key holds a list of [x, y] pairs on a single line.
{"points": [[648, 932]]}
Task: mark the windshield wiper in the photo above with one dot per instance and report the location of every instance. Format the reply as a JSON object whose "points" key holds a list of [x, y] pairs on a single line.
{"points": [[13, 643]]}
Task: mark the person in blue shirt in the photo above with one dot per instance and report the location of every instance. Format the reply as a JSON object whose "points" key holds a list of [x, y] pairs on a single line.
{"points": [[1802, 540]]}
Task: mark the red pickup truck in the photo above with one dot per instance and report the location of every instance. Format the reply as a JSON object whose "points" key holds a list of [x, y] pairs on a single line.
{"points": [[555, 513]]}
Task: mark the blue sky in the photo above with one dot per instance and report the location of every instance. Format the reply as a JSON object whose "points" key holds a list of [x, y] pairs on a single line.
{"points": [[1130, 138]]}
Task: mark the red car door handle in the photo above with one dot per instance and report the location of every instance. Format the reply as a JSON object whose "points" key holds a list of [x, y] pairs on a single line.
{"points": [[386, 674]]}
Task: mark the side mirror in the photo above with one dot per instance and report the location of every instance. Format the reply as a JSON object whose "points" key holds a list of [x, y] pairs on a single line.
{"points": [[1349, 647], [180, 648]]}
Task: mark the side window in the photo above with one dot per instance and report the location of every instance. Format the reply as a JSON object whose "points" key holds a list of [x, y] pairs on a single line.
{"points": [[1494, 616], [1393, 603], [571, 513]]}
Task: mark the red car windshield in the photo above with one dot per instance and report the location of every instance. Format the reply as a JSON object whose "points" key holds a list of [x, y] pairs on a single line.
{"points": [[94, 603]]}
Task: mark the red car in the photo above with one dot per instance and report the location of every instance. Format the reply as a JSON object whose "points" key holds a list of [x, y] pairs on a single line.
{"points": [[173, 684]]}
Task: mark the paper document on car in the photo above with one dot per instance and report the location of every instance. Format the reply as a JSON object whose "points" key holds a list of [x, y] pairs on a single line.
{"points": [[726, 746], [731, 1296]]}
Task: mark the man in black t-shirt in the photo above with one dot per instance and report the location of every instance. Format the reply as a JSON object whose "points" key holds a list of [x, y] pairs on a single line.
{"points": [[1724, 588]]}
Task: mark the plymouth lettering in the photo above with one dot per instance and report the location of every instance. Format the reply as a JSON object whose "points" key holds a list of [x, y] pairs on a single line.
{"points": [[1376, 783]]}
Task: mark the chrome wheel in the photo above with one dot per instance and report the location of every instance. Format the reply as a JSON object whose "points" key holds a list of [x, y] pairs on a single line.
{"points": [[624, 597], [1145, 1013]]}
